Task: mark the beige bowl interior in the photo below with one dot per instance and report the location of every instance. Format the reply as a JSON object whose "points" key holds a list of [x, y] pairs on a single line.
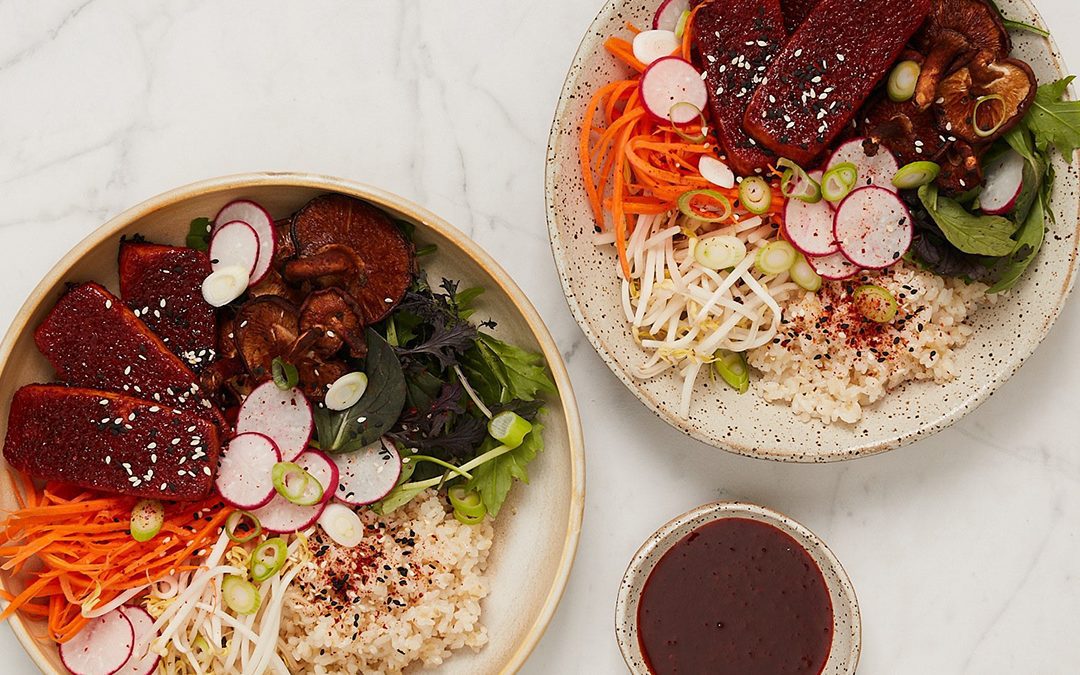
{"points": [[847, 626], [535, 540], [1005, 336]]}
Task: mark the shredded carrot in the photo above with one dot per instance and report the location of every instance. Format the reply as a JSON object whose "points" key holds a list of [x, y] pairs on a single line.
{"points": [[82, 547], [636, 164]]}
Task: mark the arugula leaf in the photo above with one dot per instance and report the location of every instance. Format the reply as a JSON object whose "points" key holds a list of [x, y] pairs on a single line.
{"points": [[1029, 239], [1053, 121], [493, 479], [377, 410], [979, 235], [198, 236], [501, 372]]}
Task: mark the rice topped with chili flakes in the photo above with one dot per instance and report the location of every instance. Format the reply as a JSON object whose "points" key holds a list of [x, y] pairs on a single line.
{"points": [[410, 591], [828, 361]]}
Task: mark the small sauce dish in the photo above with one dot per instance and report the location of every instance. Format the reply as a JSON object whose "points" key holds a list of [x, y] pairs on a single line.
{"points": [[732, 587]]}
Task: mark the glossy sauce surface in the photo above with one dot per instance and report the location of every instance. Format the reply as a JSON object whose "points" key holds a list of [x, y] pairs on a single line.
{"points": [[736, 596]]}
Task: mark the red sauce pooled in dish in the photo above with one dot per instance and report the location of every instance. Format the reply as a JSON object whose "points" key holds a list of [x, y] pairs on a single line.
{"points": [[739, 597]]}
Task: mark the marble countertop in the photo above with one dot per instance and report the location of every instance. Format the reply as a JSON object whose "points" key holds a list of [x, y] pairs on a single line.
{"points": [[963, 548]]}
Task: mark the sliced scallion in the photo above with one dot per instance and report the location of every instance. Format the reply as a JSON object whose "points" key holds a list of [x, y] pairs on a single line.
{"points": [[466, 502], [902, 81], [732, 368], [267, 558], [147, 517], [707, 205], [509, 428], [239, 531], [839, 181], [682, 108], [755, 195], [295, 484], [875, 303], [720, 253], [983, 132], [775, 258], [916, 175], [805, 276], [680, 26], [795, 183], [240, 595], [468, 520], [284, 373]]}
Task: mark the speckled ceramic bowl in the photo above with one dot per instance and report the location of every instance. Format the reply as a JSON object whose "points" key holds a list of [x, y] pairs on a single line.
{"points": [[1006, 334], [847, 627], [537, 537]]}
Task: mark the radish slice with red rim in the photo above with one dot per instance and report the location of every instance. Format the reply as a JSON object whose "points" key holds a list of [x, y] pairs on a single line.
{"points": [[244, 474], [367, 475], [667, 15], [873, 227], [322, 469], [283, 517], [256, 216], [234, 244], [834, 267], [142, 661], [669, 82], [102, 647], [1004, 183], [877, 170], [282, 414], [652, 45], [809, 226]]}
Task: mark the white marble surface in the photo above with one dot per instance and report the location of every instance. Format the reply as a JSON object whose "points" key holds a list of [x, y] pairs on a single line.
{"points": [[964, 548]]}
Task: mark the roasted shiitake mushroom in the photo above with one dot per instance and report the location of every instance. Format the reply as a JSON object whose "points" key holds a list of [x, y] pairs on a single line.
{"points": [[985, 98], [334, 318], [954, 30]]}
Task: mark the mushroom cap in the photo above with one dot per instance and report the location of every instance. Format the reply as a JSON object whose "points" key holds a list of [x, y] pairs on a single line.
{"points": [[954, 31], [265, 328], [334, 317], [960, 169], [340, 232], [898, 126], [1006, 88], [317, 376]]}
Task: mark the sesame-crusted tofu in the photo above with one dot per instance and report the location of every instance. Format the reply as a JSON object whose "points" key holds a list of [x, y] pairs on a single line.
{"points": [[111, 442]]}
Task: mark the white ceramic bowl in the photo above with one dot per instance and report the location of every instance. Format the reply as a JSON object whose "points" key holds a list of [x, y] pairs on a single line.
{"points": [[1005, 334], [534, 541], [847, 627]]}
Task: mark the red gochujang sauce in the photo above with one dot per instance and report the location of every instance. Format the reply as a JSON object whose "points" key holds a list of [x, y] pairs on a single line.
{"points": [[739, 597]]}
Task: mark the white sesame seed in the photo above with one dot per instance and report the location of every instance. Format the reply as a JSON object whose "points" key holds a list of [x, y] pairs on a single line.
{"points": [[108, 459], [103, 401], [108, 304], [206, 470]]}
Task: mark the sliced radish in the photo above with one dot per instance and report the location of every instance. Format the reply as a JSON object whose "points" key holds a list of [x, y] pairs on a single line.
{"points": [[322, 468], [873, 227], [142, 661], [224, 285], [236, 244], [877, 170], [102, 647], [667, 16], [367, 475], [342, 525], [1004, 183], [668, 82], [283, 415], [809, 227], [244, 475], [652, 45], [716, 172], [260, 221], [835, 267], [283, 517]]}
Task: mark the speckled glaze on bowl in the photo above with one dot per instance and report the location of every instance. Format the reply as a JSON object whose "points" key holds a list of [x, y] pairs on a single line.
{"points": [[535, 540], [847, 626], [1006, 334]]}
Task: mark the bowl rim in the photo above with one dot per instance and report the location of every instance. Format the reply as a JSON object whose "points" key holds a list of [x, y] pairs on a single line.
{"points": [[663, 538], [856, 450], [387, 199]]}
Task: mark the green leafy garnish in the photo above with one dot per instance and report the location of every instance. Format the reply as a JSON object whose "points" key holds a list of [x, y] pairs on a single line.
{"points": [[493, 479], [1053, 121], [978, 235], [1027, 27], [501, 372], [377, 410], [284, 373], [198, 236], [1029, 239]]}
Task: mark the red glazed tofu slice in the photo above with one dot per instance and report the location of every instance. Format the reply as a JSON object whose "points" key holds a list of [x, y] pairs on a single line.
{"points": [[825, 72], [163, 286], [111, 442], [94, 341], [795, 12], [736, 42]]}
